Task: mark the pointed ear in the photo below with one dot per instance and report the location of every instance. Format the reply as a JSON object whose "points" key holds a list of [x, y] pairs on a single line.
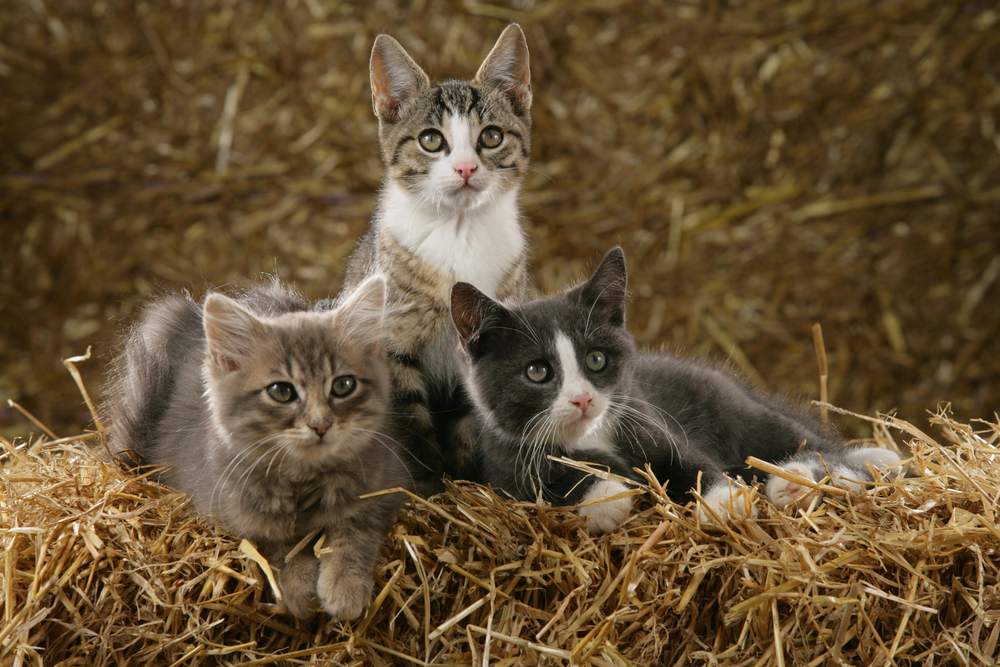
{"points": [[473, 313], [507, 68], [606, 292], [395, 78], [232, 333], [362, 313]]}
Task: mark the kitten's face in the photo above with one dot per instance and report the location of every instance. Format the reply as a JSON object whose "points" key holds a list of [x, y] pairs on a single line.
{"points": [[549, 371], [456, 144], [307, 387]]}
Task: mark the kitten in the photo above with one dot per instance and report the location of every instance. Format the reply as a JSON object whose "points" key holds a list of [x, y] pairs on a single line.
{"points": [[561, 376], [455, 154], [273, 418]]}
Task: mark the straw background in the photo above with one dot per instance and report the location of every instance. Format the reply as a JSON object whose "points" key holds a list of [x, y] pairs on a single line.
{"points": [[766, 165]]}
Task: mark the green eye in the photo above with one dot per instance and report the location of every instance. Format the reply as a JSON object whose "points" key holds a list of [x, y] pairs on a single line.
{"points": [[431, 141], [491, 137], [344, 386], [282, 392], [596, 361], [538, 371]]}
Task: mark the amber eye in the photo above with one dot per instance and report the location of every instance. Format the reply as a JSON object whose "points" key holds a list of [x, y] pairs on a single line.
{"points": [[491, 137], [538, 371], [431, 141], [596, 361], [344, 386], [281, 392]]}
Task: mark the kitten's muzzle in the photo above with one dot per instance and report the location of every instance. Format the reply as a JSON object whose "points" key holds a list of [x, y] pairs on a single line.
{"points": [[465, 170], [582, 401], [320, 427]]}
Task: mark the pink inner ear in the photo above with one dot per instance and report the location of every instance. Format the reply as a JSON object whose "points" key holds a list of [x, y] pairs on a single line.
{"points": [[225, 363]]}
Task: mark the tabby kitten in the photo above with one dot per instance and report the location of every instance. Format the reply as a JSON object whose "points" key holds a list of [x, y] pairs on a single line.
{"points": [[455, 154], [273, 417], [561, 376]]}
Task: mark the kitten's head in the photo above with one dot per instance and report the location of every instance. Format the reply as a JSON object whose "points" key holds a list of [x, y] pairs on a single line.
{"points": [[454, 144], [548, 370], [312, 384]]}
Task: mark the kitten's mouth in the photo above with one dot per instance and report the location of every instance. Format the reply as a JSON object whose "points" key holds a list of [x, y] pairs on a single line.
{"points": [[582, 424]]}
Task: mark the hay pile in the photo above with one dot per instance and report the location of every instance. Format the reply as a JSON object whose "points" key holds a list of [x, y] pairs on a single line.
{"points": [[766, 165], [101, 567]]}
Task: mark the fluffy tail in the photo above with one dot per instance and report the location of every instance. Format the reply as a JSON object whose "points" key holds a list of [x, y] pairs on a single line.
{"points": [[144, 374]]}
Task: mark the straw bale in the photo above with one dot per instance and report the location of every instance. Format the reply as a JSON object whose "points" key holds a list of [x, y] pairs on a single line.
{"points": [[102, 566], [766, 164]]}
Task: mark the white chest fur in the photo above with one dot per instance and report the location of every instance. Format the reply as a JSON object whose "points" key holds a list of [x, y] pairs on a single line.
{"points": [[477, 246]]}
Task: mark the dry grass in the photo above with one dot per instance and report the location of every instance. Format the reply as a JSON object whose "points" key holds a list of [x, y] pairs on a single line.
{"points": [[103, 567], [766, 164]]}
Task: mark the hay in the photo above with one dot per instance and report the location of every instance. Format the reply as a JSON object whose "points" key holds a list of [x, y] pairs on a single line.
{"points": [[104, 567], [766, 165]]}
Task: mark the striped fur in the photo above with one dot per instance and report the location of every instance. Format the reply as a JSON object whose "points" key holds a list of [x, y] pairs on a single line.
{"points": [[190, 392], [432, 230]]}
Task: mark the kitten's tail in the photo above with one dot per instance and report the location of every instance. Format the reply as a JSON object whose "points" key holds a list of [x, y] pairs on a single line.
{"points": [[144, 373]]}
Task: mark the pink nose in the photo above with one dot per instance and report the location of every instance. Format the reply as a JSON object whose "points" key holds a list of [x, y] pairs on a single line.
{"points": [[582, 401], [320, 428], [466, 170]]}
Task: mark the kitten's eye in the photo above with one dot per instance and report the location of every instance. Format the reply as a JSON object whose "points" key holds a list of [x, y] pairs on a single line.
{"points": [[431, 141], [491, 137], [596, 361], [282, 392], [344, 385], [538, 371]]}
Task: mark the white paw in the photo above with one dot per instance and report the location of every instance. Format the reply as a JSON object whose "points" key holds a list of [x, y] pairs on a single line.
{"points": [[783, 492], [885, 460], [344, 597], [728, 499], [847, 478], [603, 517]]}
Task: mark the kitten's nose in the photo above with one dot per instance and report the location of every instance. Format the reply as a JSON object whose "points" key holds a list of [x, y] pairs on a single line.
{"points": [[465, 170], [320, 428], [582, 401]]}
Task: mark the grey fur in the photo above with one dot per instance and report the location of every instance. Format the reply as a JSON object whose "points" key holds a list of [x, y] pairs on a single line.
{"points": [[420, 340], [189, 394], [682, 417]]}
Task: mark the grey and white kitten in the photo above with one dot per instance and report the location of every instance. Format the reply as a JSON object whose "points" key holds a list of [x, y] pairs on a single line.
{"points": [[455, 154], [274, 418], [561, 376]]}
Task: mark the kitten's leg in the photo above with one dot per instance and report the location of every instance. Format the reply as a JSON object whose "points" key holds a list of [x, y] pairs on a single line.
{"points": [[412, 403], [463, 452], [601, 512], [727, 498], [563, 485], [296, 578], [297, 582], [348, 560], [847, 470], [784, 492]]}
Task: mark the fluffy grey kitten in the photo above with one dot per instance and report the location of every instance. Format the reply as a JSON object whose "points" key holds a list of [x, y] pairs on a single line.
{"points": [[561, 376], [274, 418], [455, 154]]}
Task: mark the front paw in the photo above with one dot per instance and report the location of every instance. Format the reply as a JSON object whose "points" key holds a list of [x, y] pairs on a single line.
{"points": [[783, 492], [726, 500], [604, 516], [343, 595], [297, 581]]}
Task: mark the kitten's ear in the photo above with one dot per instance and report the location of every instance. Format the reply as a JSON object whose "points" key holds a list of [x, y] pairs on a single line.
{"points": [[232, 333], [473, 312], [362, 313], [507, 68], [395, 78], [606, 292]]}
